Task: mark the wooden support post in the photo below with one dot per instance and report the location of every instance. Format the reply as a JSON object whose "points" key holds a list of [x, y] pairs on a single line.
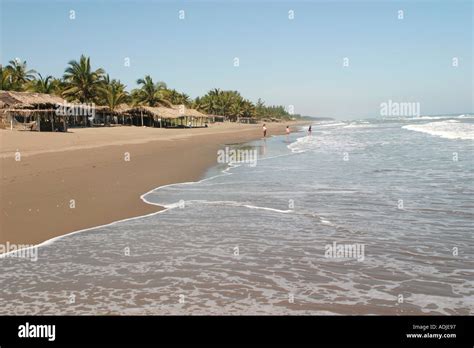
{"points": [[37, 123]]}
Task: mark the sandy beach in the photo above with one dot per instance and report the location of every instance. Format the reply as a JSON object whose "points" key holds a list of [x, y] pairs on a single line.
{"points": [[65, 182]]}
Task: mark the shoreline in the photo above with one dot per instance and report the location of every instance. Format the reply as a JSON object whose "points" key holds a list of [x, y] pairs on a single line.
{"points": [[37, 212]]}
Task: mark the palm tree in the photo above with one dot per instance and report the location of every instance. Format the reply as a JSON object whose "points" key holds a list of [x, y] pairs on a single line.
{"points": [[151, 93], [42, 85], [210, 102], [216, 92], [259, 108], [82, 83], [171, 95], [214, 96], [248, 109], [5, 78], [236, 110], [113, 93], [184, 99], [19, 74], [222, 103]]}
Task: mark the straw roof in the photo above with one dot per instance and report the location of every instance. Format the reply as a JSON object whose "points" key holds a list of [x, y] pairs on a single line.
{"points": [[119, 109], [27, 112], [194, 113], [123, 108], [164, 112], [188, 112], [104, 109], [157, 111], [25, 100]]}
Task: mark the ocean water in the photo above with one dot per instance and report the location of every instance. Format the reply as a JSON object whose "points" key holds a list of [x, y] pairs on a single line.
{"points": [[253, 239]]}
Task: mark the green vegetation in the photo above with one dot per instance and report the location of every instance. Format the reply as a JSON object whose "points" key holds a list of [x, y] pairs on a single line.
{"points": [[80, 83]]}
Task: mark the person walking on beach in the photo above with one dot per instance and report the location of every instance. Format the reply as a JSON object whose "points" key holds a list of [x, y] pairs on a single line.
{"points": [[287, 130], [309, 130], [264, 128]]}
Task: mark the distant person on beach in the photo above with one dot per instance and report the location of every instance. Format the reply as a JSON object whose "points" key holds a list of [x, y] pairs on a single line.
{"points": [[264, 128], [309, 130], [287, 130]]}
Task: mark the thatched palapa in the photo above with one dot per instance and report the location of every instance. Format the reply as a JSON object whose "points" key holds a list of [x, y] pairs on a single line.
{"points": [[160, 116], [34, 111], [27, 100]]}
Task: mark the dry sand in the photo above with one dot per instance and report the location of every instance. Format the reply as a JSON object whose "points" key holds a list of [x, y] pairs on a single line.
{"points": [[88, 166]]}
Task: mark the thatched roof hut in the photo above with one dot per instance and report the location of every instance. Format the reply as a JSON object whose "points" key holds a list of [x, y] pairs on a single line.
{"points": [[165, 112], [118, 110], [194, 113], [152, 116], [160, 116], [155, 111], [193, 118], [30, 110], [122, 108], [28, 100]]}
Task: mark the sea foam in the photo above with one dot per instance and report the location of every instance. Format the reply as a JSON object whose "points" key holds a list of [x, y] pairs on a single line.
{"points": [[451, 129]]}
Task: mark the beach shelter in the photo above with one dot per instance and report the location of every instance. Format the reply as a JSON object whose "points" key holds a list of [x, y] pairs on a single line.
{"points": [[33, 111]]}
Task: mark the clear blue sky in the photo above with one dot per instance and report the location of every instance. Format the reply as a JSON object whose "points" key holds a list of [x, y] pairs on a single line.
{"points": [[289, 62]]}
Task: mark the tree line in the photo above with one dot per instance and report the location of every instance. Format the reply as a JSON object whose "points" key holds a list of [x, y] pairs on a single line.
{"points": [[81, 83]]}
